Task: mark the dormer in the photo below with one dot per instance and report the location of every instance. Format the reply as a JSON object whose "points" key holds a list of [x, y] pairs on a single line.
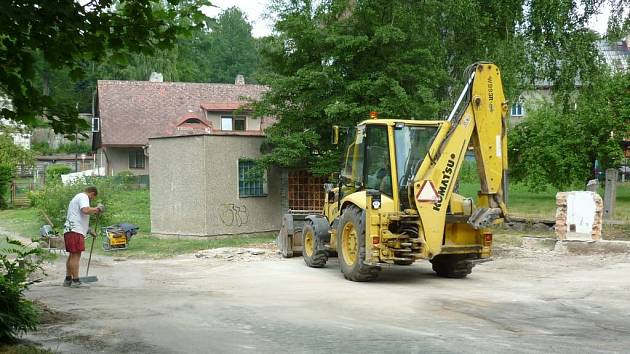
{"points": [[192, 122], [230, 116]]}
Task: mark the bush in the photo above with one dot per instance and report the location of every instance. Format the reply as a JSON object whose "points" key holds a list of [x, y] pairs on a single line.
{"points": [[67, 148], [75, 148], [54, 172], [6, 176], [126, 177], [42, 148], [53, 199], [17, 263]]}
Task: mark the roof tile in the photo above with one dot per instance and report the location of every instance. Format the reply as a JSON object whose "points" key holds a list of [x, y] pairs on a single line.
{"points": [[133, 111]]}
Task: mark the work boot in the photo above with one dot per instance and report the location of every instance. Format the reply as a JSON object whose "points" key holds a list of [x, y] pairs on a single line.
{"points": [[78, 284], [67, 282]]}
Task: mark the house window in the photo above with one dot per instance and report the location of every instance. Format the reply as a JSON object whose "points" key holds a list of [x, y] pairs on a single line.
{"points": [[517, 109], [96, 125], [250, 186], [136, 158], [232, 123]]}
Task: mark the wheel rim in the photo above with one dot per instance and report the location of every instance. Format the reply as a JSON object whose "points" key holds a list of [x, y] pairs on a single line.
{"points": [[309, 243], [349, 243]]}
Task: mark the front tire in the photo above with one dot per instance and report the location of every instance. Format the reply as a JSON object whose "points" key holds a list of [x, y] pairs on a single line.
{"points": [[351, 246], [314, 254]]}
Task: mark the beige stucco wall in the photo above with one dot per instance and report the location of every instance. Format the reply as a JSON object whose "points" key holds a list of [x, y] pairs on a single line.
{"points": [[202, 172], [178, 183], [117, 160], [215, 119]]}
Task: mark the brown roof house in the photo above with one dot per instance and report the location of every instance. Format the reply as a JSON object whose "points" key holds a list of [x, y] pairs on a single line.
{"points": [[197, 142]]}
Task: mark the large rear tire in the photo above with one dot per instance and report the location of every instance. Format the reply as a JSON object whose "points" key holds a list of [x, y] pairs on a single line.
{"points": [[313, 248], [452, 265], [351, 246]]}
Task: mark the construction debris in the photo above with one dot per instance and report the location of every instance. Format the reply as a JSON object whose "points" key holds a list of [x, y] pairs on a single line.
{"points": [[237, 253]]}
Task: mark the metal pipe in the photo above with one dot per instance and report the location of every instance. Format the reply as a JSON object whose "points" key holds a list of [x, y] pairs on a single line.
{"points": [[461, 96]]}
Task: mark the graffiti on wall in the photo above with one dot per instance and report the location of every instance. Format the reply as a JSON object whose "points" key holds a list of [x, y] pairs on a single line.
{"points": [[233, 215]]}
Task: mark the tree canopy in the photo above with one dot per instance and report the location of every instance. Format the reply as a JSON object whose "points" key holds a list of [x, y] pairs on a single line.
{"points": [[69, 35], [559, 145], [215, 52], [334, 61]]}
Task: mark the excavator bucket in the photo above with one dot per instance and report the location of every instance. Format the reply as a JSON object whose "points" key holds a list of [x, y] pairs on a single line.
{"points": [[290, 236]]}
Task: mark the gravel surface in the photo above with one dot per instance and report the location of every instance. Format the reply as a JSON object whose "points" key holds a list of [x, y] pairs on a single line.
{"points": [[249, 300]]}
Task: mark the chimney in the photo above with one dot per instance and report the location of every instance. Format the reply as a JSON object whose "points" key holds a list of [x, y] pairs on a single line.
{"points": [[240, 80], [156, 77]]}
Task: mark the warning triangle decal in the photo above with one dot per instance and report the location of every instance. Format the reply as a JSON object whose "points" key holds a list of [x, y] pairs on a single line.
{"points": [[427, 193]]}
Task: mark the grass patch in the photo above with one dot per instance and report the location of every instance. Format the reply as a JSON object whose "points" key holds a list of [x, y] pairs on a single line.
{"points": [[507, 239], [622, 208], [524, 203], [616, 232], [23, 349], [147, 246], [23, 222], [130, 206]]}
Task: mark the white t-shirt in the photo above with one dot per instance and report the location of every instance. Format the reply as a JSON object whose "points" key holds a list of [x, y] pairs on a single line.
{"points": [[76, 220]]}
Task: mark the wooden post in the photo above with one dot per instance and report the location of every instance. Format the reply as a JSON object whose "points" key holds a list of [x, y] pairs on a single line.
{"points": [[610, 193], [13, 190]]}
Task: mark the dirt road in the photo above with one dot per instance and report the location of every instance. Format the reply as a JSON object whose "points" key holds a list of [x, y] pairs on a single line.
{"points": [[523, 302]]}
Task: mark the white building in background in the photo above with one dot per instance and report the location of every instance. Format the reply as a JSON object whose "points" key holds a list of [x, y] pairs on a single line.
{"points": [[21, 136], [615, 54]]}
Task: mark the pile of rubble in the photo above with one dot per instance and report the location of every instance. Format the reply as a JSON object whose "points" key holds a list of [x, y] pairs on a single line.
{"points": [[239, 254]]}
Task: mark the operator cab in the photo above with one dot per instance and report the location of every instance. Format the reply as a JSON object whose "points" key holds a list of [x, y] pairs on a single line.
{"points": [[378, 151]]}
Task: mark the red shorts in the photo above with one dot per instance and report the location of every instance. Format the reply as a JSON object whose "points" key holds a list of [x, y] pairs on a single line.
{"points": [[75, 242]]}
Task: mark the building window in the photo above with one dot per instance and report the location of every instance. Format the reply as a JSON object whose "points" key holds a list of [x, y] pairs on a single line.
{"points": [[517, 109], [233, 123], [96, 125], [136, 158], [248, 185]]}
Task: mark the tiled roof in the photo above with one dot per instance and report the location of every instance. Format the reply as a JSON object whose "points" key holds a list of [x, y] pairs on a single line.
{"points": [[222, 106], [133, 111]]}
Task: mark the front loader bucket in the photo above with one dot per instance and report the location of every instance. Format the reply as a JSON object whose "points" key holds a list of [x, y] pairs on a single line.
{"points": [[290, 236]]}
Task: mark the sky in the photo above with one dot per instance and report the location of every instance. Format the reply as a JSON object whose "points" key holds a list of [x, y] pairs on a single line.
{"points": [[254, 10]]}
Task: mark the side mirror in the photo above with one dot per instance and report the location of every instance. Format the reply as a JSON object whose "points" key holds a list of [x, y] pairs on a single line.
{"points": [[335, 135]]}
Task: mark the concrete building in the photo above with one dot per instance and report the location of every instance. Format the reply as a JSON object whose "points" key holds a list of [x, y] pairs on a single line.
{"points": [[200, 186], [128, 113]]}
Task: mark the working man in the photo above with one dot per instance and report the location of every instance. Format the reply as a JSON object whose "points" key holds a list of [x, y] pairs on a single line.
{"points": [[76, 228]]}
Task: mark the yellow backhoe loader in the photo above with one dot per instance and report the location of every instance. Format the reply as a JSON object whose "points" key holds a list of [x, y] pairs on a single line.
{"points": [[396, 202]]}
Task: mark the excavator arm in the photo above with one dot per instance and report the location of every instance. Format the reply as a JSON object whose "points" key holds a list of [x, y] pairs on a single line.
{"points": [[477, 120]]}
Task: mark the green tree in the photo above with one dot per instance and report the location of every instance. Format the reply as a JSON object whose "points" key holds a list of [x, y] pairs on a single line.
{"points": [[69, 34], [558, 144], [214, 52], [232, 50], [11, 156], [334, 61]]}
